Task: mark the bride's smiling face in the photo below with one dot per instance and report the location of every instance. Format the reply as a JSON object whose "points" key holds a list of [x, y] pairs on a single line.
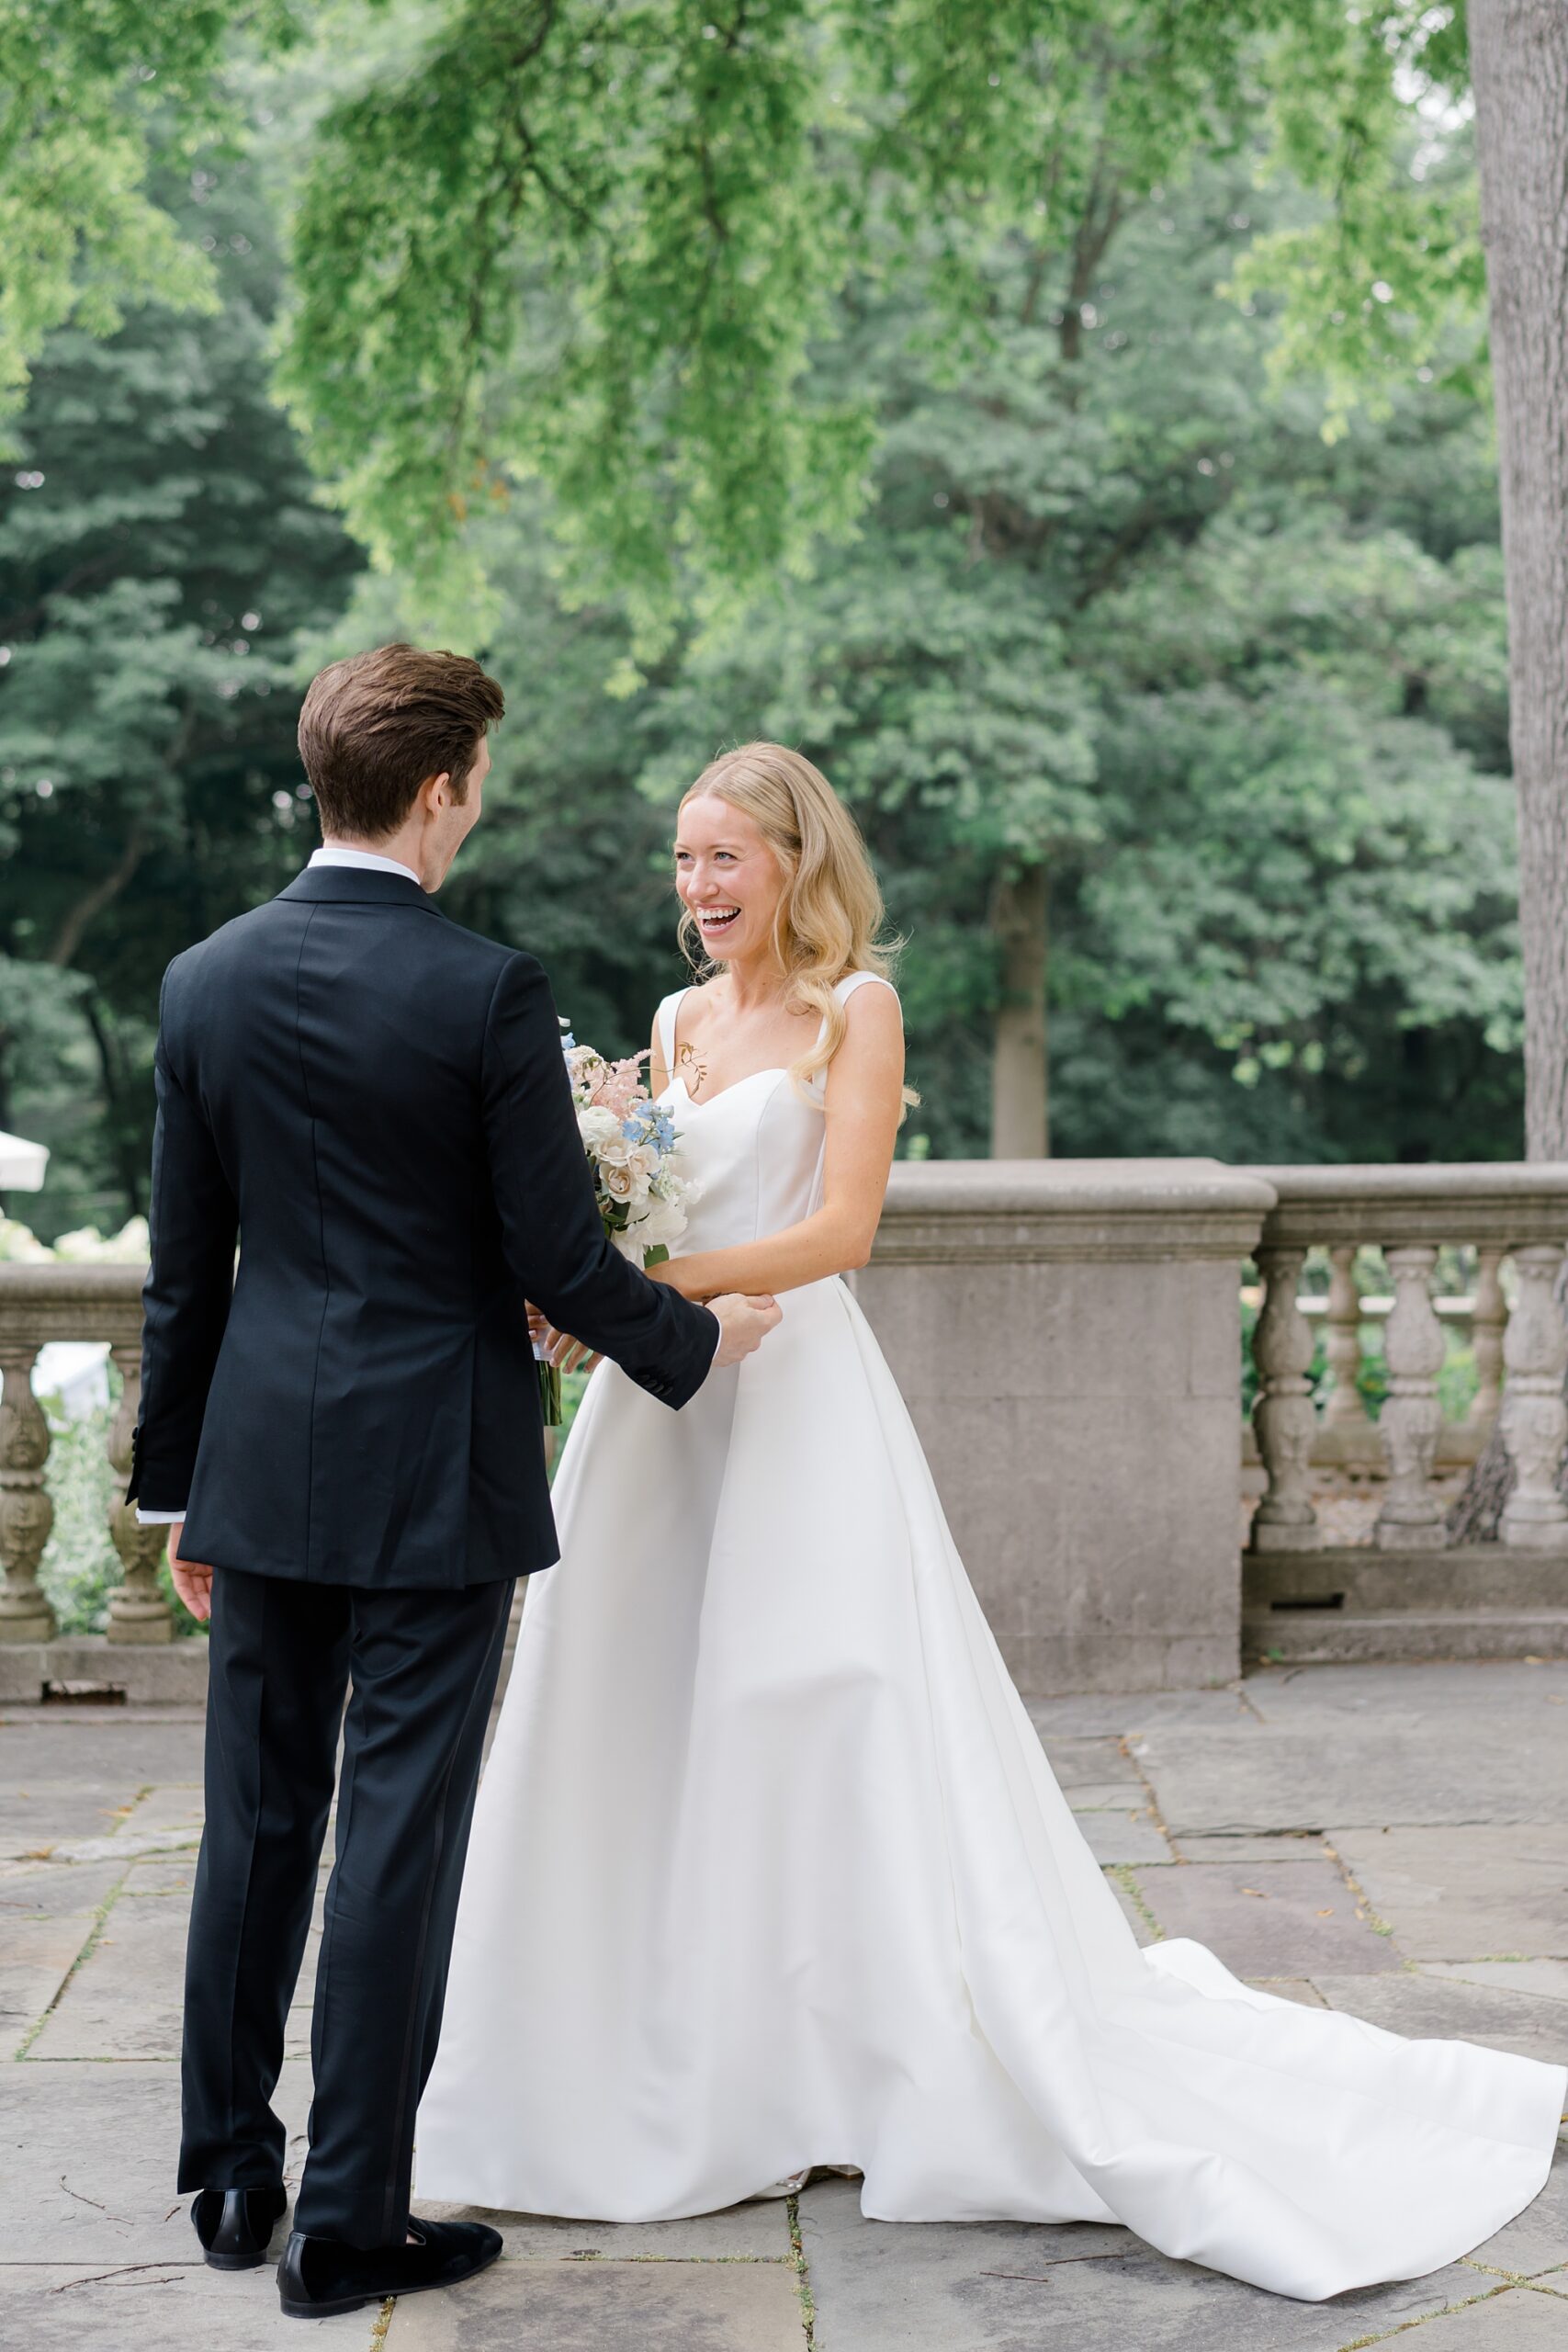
{"points": [[728, 877]]}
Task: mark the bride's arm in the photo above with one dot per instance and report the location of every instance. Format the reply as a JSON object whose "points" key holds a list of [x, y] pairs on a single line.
{"points": [[864, 1098], [658, 1076]]}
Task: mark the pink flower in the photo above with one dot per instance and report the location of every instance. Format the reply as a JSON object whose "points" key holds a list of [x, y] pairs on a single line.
{"points": [[621, 1088]]}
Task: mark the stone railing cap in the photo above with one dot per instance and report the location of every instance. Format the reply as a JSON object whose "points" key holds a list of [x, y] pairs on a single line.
{"points": [[1076, 1187], [1544, 1179], [67, 1280], [84, 1298]]}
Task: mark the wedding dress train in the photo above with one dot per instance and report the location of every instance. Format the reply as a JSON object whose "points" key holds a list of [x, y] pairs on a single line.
{"points": [[769, 1870]]}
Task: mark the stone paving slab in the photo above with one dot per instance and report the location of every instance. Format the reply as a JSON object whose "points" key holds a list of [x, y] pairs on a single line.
{"points": [[1547, 1979], [46, 1890], [1144, 1929], [1436, 1692], [1081, 1762], [38, 1817], [161, 1874], [1291, 1988], [1113, 1716], [1123, 1837], [1519, 2319], [1249, 1776], [1269, 1918], [88, 2157], [85, 2132], [1424, 2009], [584, 2306], [1107, 1796], [162, 2307], [39, 1955], [1479, 1893], [99, 1744], [171, 1806], [754, 2232], [125, 1999], [1003, 2287], [1280, 1845]]}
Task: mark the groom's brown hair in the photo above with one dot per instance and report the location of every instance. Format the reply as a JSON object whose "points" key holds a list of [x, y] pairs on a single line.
{"points": [[375, 727]]}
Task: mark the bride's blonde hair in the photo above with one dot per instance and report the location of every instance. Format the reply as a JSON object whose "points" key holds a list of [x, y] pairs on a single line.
{"points": [[831, 910]]}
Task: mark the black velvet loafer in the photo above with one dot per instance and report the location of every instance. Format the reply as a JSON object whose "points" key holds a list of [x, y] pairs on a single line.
{"points": [[318, 2277], [235, 2225]]}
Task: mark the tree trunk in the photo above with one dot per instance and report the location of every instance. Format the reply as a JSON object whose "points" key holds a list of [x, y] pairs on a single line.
{"points": [[1018, 1128], [1519, 60], [1519, 51]]}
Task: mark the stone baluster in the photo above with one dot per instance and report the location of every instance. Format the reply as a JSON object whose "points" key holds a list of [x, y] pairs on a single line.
{"points": [[1283, 1416], [1488, 1320], [1534, 1417], [26, 1513], [1344, 1340], [1413, 1347], [137, 1611]]}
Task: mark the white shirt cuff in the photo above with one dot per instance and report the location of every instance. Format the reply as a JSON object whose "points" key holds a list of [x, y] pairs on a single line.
{"points": [[156, 1518]]}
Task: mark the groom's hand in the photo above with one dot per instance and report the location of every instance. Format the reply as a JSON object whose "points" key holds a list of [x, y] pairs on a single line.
{"points": [[743, 1325], [192, 1582]]}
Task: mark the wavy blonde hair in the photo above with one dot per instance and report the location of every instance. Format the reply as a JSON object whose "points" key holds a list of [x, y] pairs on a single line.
{"points": [[830, 912]]}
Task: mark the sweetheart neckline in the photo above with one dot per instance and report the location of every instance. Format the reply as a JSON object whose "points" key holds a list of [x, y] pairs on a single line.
{"points": [[776, 1069]]}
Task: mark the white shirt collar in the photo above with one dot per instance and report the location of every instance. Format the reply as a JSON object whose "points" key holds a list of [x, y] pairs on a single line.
{"points": [[365, 860]]}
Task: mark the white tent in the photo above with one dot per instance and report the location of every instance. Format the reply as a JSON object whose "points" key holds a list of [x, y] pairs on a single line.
{"points": [[22, 1165]]}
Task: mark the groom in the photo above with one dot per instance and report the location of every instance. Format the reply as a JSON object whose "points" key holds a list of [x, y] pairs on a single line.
{"points": [[347, 1437]]}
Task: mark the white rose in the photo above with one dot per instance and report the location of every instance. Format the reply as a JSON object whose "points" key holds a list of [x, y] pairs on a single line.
{"points": [[617, 1182], [599, 1130], [663, 1223]]}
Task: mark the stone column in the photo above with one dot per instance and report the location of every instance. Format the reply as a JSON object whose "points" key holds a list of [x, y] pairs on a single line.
{"points": [[1411, 1516], [137, 1611], [1488, 1319], [1344, 1340], [26, 1513], [1534, 1417], [1283, 1416], [1065, 1336]]}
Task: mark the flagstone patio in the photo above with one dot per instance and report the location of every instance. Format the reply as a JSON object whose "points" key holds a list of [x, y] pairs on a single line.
{"points": [[1391, 1840]]}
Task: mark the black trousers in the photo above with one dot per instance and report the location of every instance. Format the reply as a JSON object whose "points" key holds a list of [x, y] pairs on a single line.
{"points": [[419, 1671]]}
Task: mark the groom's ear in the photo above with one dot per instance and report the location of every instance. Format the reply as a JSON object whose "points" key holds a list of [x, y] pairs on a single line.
{"points": [[435, 793]]}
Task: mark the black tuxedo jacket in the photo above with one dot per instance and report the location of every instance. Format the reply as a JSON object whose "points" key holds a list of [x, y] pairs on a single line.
{"points": [[375, 1103]]}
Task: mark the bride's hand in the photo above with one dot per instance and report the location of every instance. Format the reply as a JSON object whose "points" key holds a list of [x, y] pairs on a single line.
{"points": [[566, 1353]]}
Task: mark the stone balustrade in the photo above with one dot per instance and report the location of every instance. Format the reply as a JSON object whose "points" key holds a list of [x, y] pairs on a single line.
{"points": [[1066, 1335], [69, 1302], [1501, 1211], [1412, 1591]]}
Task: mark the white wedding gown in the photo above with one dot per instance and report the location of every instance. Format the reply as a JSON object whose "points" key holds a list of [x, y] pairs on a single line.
{"points": [[769, 1870]]}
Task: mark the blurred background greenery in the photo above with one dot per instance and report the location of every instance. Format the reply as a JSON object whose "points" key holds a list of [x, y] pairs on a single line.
{"points": [[1121, 638]]}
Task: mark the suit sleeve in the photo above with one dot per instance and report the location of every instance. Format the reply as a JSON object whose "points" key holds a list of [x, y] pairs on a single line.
{"points": [[554, 1241], [195, 1223]]}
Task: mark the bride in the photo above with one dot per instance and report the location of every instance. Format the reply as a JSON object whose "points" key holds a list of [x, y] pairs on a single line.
{"points": [[768, 1868]]}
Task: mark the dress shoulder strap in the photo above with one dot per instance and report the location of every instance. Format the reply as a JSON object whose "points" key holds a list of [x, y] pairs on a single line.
{"points": [[664, 1021], [843, 990]]}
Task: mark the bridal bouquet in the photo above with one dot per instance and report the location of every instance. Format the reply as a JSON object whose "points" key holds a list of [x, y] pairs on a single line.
{"points": [[639, 1180]]}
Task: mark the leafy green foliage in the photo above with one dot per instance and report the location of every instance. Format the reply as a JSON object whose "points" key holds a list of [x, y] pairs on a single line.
{"points": [[597, 326], [89, 92], [159, 547], [593, 247]]}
